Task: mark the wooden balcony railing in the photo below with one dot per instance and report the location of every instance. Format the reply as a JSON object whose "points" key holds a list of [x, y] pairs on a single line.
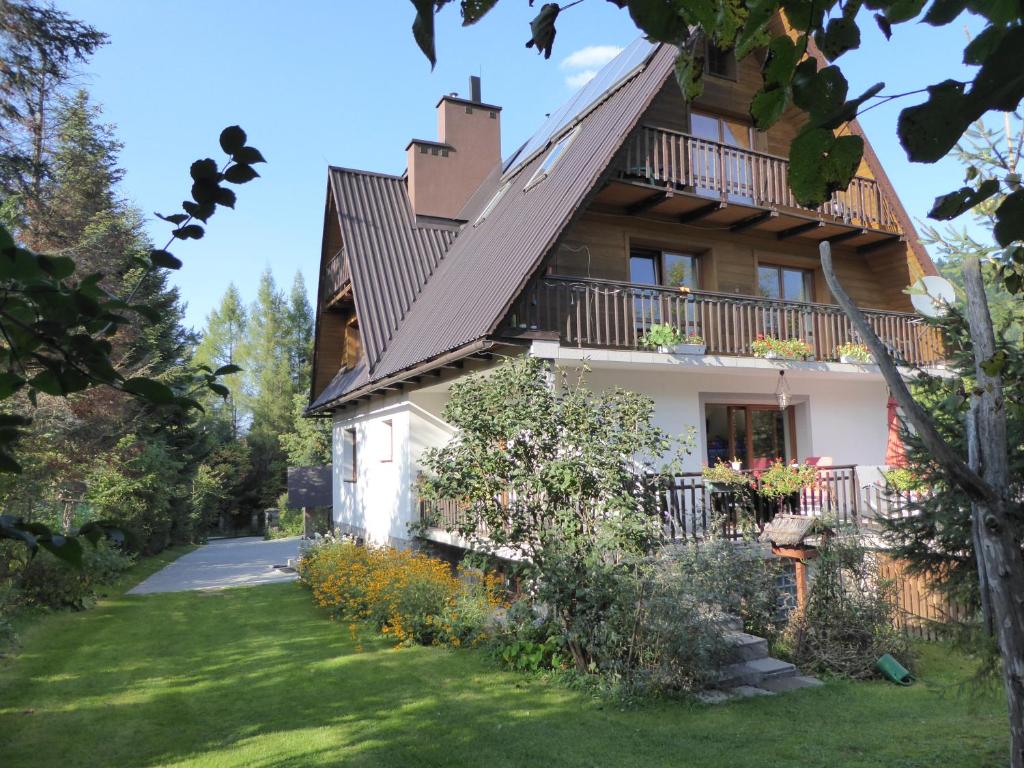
{"points": [[336, 274], [606, 314], [689, 507], [733, 174]]}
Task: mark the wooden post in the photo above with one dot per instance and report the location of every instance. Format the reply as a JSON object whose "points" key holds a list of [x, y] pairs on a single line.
{"points": [[306, 519]]}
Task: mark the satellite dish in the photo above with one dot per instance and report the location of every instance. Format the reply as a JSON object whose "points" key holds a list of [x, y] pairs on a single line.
{"points": [[932, 295]]}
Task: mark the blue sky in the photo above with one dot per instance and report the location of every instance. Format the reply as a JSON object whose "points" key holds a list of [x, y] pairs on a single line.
{"points": [[317, 83]]}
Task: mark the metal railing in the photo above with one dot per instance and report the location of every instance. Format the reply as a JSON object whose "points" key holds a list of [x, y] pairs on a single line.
{"points": [[733, 174], [608, 314]]}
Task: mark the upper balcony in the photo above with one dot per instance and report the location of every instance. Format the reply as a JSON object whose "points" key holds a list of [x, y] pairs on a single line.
{"points": [[614, 315], [674, 175], [336, 278]]}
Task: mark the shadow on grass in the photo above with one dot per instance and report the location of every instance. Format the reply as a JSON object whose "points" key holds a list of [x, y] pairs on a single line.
{"points": [[258, 677]]}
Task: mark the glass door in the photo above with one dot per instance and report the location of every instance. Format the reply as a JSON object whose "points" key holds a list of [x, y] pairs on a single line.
{"points": [[755, 435], [786, 284], [729, 166]]}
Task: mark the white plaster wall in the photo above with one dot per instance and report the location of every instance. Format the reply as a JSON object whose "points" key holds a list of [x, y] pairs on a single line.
{"points": [[841, 418], [377, 504]]}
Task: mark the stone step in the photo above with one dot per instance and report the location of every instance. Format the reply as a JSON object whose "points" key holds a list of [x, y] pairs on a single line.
{"points": [[754, 672], [746, 647], [794, 683]]}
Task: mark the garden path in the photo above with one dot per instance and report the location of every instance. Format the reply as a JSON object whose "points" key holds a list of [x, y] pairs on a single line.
{"points": [[225, 563]]}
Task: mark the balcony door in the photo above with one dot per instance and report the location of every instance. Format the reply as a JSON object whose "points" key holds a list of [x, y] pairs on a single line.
{"points": [[786, 284], [723, 158], [670, 269], [757, 435]]}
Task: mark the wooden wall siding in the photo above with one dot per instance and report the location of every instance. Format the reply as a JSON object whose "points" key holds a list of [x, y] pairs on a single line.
{"points": [[331, 326], [920, 608], [598, 246]]}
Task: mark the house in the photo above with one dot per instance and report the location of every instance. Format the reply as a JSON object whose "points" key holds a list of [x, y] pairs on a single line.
{"points": [[629, 207]]}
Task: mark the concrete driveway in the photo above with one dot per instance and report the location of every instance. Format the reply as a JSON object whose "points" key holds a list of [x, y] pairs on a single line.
{"points": [[225, 563]]}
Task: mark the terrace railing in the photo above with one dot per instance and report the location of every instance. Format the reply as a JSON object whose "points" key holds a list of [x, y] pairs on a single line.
{"points": [[608, 314], [732, 174], [689, 506], [336, 274]]}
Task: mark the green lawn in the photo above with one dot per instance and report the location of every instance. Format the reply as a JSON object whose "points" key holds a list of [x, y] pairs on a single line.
{"points": [[258, 677]]}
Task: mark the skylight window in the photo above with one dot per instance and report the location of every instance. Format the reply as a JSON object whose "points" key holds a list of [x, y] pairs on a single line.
{"points": [[552, 157], [493, 202]]}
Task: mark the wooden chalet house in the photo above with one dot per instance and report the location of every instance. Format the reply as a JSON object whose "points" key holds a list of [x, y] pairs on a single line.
{"points": [[629, 207]]}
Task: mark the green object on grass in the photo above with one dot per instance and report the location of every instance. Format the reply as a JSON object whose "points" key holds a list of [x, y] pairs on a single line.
{"points": [[893, 670]]}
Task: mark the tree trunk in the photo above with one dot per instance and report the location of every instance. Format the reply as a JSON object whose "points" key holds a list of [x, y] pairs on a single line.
{"points": [[999, 556]]}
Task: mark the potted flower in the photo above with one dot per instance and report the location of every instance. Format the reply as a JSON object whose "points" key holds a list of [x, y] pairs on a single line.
{"points": [[854, 353], [662, 337], [771, 348], [692, 344], [723, 477], [781, 481]]}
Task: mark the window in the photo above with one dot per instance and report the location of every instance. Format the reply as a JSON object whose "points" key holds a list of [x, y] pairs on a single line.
{"points": [[719, 62], [757, 435], [737, 175], [349, 456], [673, 269], [786, 283], [493, 202], [387, 440], [552, 157]]}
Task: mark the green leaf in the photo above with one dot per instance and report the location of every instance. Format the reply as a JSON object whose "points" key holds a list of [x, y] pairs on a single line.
{"points": [[6, 238], [423, 29], [225, 197], [780, 65], [474, 10], [822, 163], [982, 46], [928, 131], [10, 383], [232, 139], [953, 204], [661, 21], [248, 156], [1000, 82], [1010, 219], [203, 210], [227, 370], [768, 106], [175, 218], [58, 267], [759, 13], [542, 29], [942, 12], [240, 174], [204, 170], [841, 35], [818, 93], [903, 10], [220, 389], [689, 72], [192, 231], [48, 382], [164, 259], [805, 15], [995, 364], [149, 389]]}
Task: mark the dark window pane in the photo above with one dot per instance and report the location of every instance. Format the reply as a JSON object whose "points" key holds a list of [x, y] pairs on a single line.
{"points": [[768, 282], [794, 285], [643, 270]]}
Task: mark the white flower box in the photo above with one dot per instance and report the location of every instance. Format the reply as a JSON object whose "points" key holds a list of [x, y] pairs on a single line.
{"points": [[855, 360], [690, 349]]}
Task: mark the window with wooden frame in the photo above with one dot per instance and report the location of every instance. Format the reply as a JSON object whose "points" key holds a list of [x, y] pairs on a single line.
{"points": [[353, 343], [387, 440], [756, 435], [719, 62], [349, 456], [775, 281]]}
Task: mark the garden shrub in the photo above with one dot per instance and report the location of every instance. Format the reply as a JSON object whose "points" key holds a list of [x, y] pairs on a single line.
{"points": [[409, 596], [848, 621], [44, 580]]}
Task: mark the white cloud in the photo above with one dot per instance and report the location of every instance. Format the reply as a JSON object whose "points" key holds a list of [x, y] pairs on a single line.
{"points": [[590, 58], [579, 79]]}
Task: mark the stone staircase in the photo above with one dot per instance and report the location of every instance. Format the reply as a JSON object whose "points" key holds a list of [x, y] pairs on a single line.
{"points": [[753, 672]]}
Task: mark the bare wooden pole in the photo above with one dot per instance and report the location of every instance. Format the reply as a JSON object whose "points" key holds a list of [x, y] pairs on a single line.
{"points": [[998, 551]]}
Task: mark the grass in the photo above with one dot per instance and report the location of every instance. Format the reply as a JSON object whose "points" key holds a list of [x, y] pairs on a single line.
{"points": [[258, 677]]}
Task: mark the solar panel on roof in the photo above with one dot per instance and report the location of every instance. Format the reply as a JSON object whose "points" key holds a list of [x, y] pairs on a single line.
{"points": [[631, 57]]}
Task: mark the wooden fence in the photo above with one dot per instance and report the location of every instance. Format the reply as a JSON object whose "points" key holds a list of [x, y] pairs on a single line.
{"points": [[920, 608]]}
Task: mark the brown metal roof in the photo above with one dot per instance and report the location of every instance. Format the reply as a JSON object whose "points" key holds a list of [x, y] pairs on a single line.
{"points": [[344, 381], [390, 255], [490, 262]]}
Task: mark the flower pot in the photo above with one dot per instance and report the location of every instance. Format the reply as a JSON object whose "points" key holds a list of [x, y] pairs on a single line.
{"points": [[854, 360], [771, 354], [663, 349], [689, 349], [736, 465]]}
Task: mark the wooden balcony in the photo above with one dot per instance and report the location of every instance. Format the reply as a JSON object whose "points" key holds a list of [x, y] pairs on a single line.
{"points": [[336, 278], [613, 315], [667, 174]]}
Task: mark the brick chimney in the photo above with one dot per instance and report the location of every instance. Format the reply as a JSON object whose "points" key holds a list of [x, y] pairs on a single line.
{"points": [[443, 174]]}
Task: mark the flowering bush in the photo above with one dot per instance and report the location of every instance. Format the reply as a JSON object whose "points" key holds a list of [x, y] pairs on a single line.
{"points": [[724, 474], [781, 480], [791, 349], [408, 595], [852, 351]]}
